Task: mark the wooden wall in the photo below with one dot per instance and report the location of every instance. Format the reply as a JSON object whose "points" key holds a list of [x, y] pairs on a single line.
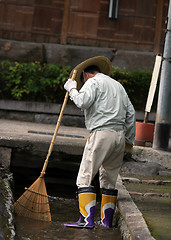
{"points": [[31, 20], [140, 24]]}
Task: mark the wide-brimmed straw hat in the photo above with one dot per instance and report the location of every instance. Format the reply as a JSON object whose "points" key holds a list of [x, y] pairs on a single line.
{"points": [[103, 63]]}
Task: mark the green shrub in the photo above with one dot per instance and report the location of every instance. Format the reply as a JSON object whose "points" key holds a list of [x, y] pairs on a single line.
{"points": [[136, 84], [44, 83], [32, 81]]}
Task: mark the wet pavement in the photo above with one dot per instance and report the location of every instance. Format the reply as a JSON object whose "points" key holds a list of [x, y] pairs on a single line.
{"points": [[17, 134]]}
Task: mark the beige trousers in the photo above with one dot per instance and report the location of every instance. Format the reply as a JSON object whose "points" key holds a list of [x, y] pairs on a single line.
{"points": [[103, 152]]}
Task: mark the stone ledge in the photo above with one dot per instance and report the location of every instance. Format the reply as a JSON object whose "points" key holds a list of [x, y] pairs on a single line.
{"points": [[72, 55], [52, 108], [38, 107], [133, 218], [41, 113], [134, 60], [152, 155]]}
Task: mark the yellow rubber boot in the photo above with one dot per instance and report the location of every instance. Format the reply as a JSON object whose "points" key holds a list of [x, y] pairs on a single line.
{"points": [[108, 205], [87, 203]]}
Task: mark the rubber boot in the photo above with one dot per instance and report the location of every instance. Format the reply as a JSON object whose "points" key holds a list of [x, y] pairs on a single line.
{"points": [[87, 203], [108, 205]]}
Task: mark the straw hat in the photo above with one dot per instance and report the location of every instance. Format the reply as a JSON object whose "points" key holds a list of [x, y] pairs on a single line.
{"points": [[102, 62]]}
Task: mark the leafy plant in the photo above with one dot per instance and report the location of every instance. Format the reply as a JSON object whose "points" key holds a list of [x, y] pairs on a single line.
{"points": [[44, 83], [32, 81], [136, 84]]}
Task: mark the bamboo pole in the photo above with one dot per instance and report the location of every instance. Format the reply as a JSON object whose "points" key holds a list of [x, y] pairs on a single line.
{"points": [[56, 129]]}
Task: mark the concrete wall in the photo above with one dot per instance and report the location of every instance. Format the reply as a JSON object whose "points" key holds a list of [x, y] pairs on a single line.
{"points": [[48, 113], [73, 55]]}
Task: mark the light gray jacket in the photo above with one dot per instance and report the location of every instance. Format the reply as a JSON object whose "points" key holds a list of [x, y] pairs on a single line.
{"points": [[106, 105]]}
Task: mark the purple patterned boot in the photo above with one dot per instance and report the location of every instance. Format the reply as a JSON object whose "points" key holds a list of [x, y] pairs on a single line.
{"points": [[87, 203], [108, 205]]}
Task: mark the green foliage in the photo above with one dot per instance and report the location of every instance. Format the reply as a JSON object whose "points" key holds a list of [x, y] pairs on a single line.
{"points": [[136, 84], [32, 81], [44, 83]]}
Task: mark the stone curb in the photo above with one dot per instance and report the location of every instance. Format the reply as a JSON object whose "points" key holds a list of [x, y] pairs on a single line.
{"points": [[38, 107], [51, 108], [150, 155], [136, 225], [155, 182], [166, 195]]}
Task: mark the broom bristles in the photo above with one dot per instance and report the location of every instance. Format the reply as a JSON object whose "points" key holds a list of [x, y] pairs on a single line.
{"points": [[34, 202]]}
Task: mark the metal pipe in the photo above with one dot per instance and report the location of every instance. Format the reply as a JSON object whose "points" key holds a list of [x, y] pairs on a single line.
{"points": [[163, 115]]}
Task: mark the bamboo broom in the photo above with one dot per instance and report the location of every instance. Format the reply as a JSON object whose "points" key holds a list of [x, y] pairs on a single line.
{"points": [[34, 202]]}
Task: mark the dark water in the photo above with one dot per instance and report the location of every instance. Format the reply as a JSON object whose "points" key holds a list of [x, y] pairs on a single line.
{"points": [[63, 211]]}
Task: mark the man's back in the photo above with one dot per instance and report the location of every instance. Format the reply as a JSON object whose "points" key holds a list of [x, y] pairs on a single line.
{"points": [[109, 103]]}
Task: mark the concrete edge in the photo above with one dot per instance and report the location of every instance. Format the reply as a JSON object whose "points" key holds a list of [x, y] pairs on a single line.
{"points": [[52, 108], [38, 107], [151, 155], [136, 227]]}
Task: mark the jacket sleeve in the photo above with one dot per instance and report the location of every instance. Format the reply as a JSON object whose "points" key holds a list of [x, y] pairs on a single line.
{"points": [[86, 96], [130, 123]]}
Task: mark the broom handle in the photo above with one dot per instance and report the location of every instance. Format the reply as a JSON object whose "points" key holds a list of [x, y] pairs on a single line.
{"points": [[56, 129]]}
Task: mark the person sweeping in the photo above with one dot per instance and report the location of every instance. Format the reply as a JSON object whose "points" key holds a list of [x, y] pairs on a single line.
{"points": [[110, 119]]}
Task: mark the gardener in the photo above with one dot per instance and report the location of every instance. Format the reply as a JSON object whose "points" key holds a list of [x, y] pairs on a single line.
{"points": [[110, 119]]}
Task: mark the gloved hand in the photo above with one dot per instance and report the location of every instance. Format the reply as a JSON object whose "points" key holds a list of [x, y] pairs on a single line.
{"points": [[70, 84], [128, 147]]}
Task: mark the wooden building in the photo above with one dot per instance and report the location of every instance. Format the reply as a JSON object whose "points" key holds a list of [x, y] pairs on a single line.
{"points": [[139, 25]]}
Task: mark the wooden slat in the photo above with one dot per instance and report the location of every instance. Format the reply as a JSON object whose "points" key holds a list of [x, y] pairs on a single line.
{"points": [[65, 22], [158, 27], [86, 22]]}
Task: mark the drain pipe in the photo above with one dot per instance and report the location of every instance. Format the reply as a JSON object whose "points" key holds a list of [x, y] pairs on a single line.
{"points": [[163, 115]]}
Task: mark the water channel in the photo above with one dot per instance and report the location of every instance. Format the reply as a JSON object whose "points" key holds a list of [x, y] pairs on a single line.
{"points": [[64, 209]]}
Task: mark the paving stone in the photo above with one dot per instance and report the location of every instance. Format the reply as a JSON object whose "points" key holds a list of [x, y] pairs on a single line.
{"points": [[157, 182], [164, 173], [142, 168], [131, 180]]}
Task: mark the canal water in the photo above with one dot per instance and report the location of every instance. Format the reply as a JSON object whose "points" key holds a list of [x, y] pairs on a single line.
{"points": [[60, 183], [63, 210]]}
